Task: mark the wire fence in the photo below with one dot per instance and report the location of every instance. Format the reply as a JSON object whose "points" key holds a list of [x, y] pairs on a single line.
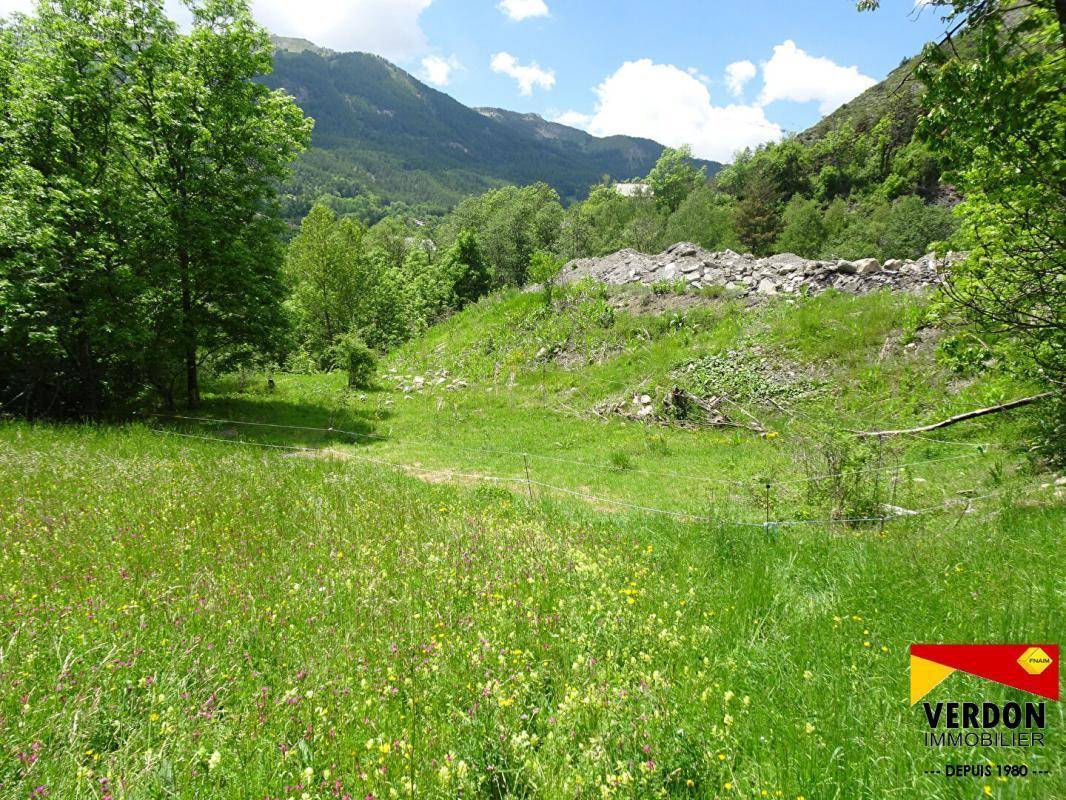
{"points": [[525, 481]]}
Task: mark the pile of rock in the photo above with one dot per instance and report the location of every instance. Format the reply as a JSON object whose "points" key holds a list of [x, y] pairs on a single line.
{"points": [[433, 379], [747, 275]]}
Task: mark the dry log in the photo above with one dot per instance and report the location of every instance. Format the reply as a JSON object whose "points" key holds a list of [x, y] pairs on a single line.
{"points": [[980, 412]]}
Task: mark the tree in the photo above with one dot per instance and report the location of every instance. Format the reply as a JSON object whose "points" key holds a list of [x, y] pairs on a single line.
{"points": [[323, 269], [997, 119], [911, 227], [390, 237], [471, 278], [596, 227], [974, 13], [544, 269], [210, 143], [705, 218], [803, 229], [352, 355], [138, 230], [755, 218], [509, 223], [674, 177], [1004, 150], [75, 302]]}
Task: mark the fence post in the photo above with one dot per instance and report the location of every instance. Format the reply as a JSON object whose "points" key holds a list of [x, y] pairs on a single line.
{"points": [[529, 483], [880, 465]]}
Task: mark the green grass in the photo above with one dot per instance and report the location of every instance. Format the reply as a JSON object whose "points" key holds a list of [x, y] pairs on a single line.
{"points": [[192, 619]]}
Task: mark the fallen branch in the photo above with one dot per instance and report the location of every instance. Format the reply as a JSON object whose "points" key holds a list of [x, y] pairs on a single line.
{"points": [[1024, 401]]}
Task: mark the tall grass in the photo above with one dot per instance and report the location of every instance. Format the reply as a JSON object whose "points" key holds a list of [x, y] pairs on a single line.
{"points": [[191, 619]]}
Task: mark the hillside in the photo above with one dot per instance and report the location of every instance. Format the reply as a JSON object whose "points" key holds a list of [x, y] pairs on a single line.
{"points": [[474, 574], [382, 135], [898, 94]]}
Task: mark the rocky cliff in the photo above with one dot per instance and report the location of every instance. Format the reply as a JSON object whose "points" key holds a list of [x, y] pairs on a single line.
{"points": [[746, 275]]}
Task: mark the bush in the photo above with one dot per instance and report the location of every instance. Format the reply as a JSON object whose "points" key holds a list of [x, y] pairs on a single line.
{"points": [[704, 217], [844, 479], [911, 226], [804, 230], [359, 361], [544, 269]]}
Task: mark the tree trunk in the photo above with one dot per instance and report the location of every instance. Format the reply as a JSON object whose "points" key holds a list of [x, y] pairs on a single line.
{"points": [[1060, 9], [192, 369], [980, 412], [90, 385]]}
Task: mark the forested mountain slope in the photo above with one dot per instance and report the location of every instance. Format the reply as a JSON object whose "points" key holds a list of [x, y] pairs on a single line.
{"points": [[383, 136]]}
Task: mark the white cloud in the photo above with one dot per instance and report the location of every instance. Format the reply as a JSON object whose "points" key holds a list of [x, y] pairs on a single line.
{"points": [[389, 28], [695, 73], [8, 7], [438, 70], [667, 104], [575, 119], [737, 76], [526, 75], [792, 74], [519, 10]]}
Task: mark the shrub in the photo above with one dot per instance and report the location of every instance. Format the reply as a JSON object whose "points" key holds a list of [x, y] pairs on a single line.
{"points": [[804, 230], [359, 361], [844, 479], [544, 269]]}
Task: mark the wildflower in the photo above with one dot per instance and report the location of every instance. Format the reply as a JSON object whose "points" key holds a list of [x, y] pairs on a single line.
{"points": [[988, 789], [807, 674], [809, 728], [214, 760], [309, 774]]}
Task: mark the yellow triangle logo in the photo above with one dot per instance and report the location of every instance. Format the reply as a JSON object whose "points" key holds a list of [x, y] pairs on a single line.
{"points": [[926, 675]]}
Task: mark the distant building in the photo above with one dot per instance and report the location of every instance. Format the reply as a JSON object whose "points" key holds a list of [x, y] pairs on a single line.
{"points": [[633, 189]]}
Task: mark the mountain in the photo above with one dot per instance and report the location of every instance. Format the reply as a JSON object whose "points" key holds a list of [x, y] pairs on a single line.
{"points": [[382, 136], [619, 156], [898, 95]]}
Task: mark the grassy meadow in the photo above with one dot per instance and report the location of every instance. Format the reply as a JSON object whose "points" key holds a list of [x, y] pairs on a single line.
{"points": [[189, 614]]}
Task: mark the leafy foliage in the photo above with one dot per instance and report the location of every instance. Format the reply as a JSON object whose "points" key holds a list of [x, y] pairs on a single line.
{"points": [[510, 224], [354, 357], [138, 225], [674, 177], [544, 269], [999, 119]]}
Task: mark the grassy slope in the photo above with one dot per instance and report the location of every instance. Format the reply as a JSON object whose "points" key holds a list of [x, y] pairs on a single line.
{"points": [[854, 349], [165, 599]]}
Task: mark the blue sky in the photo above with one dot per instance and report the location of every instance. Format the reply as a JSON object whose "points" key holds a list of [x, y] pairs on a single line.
{"points": [[658, 69]]}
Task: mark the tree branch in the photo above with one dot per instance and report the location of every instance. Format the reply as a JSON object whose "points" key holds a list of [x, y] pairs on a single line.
{"points": [[1025, 401]]}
